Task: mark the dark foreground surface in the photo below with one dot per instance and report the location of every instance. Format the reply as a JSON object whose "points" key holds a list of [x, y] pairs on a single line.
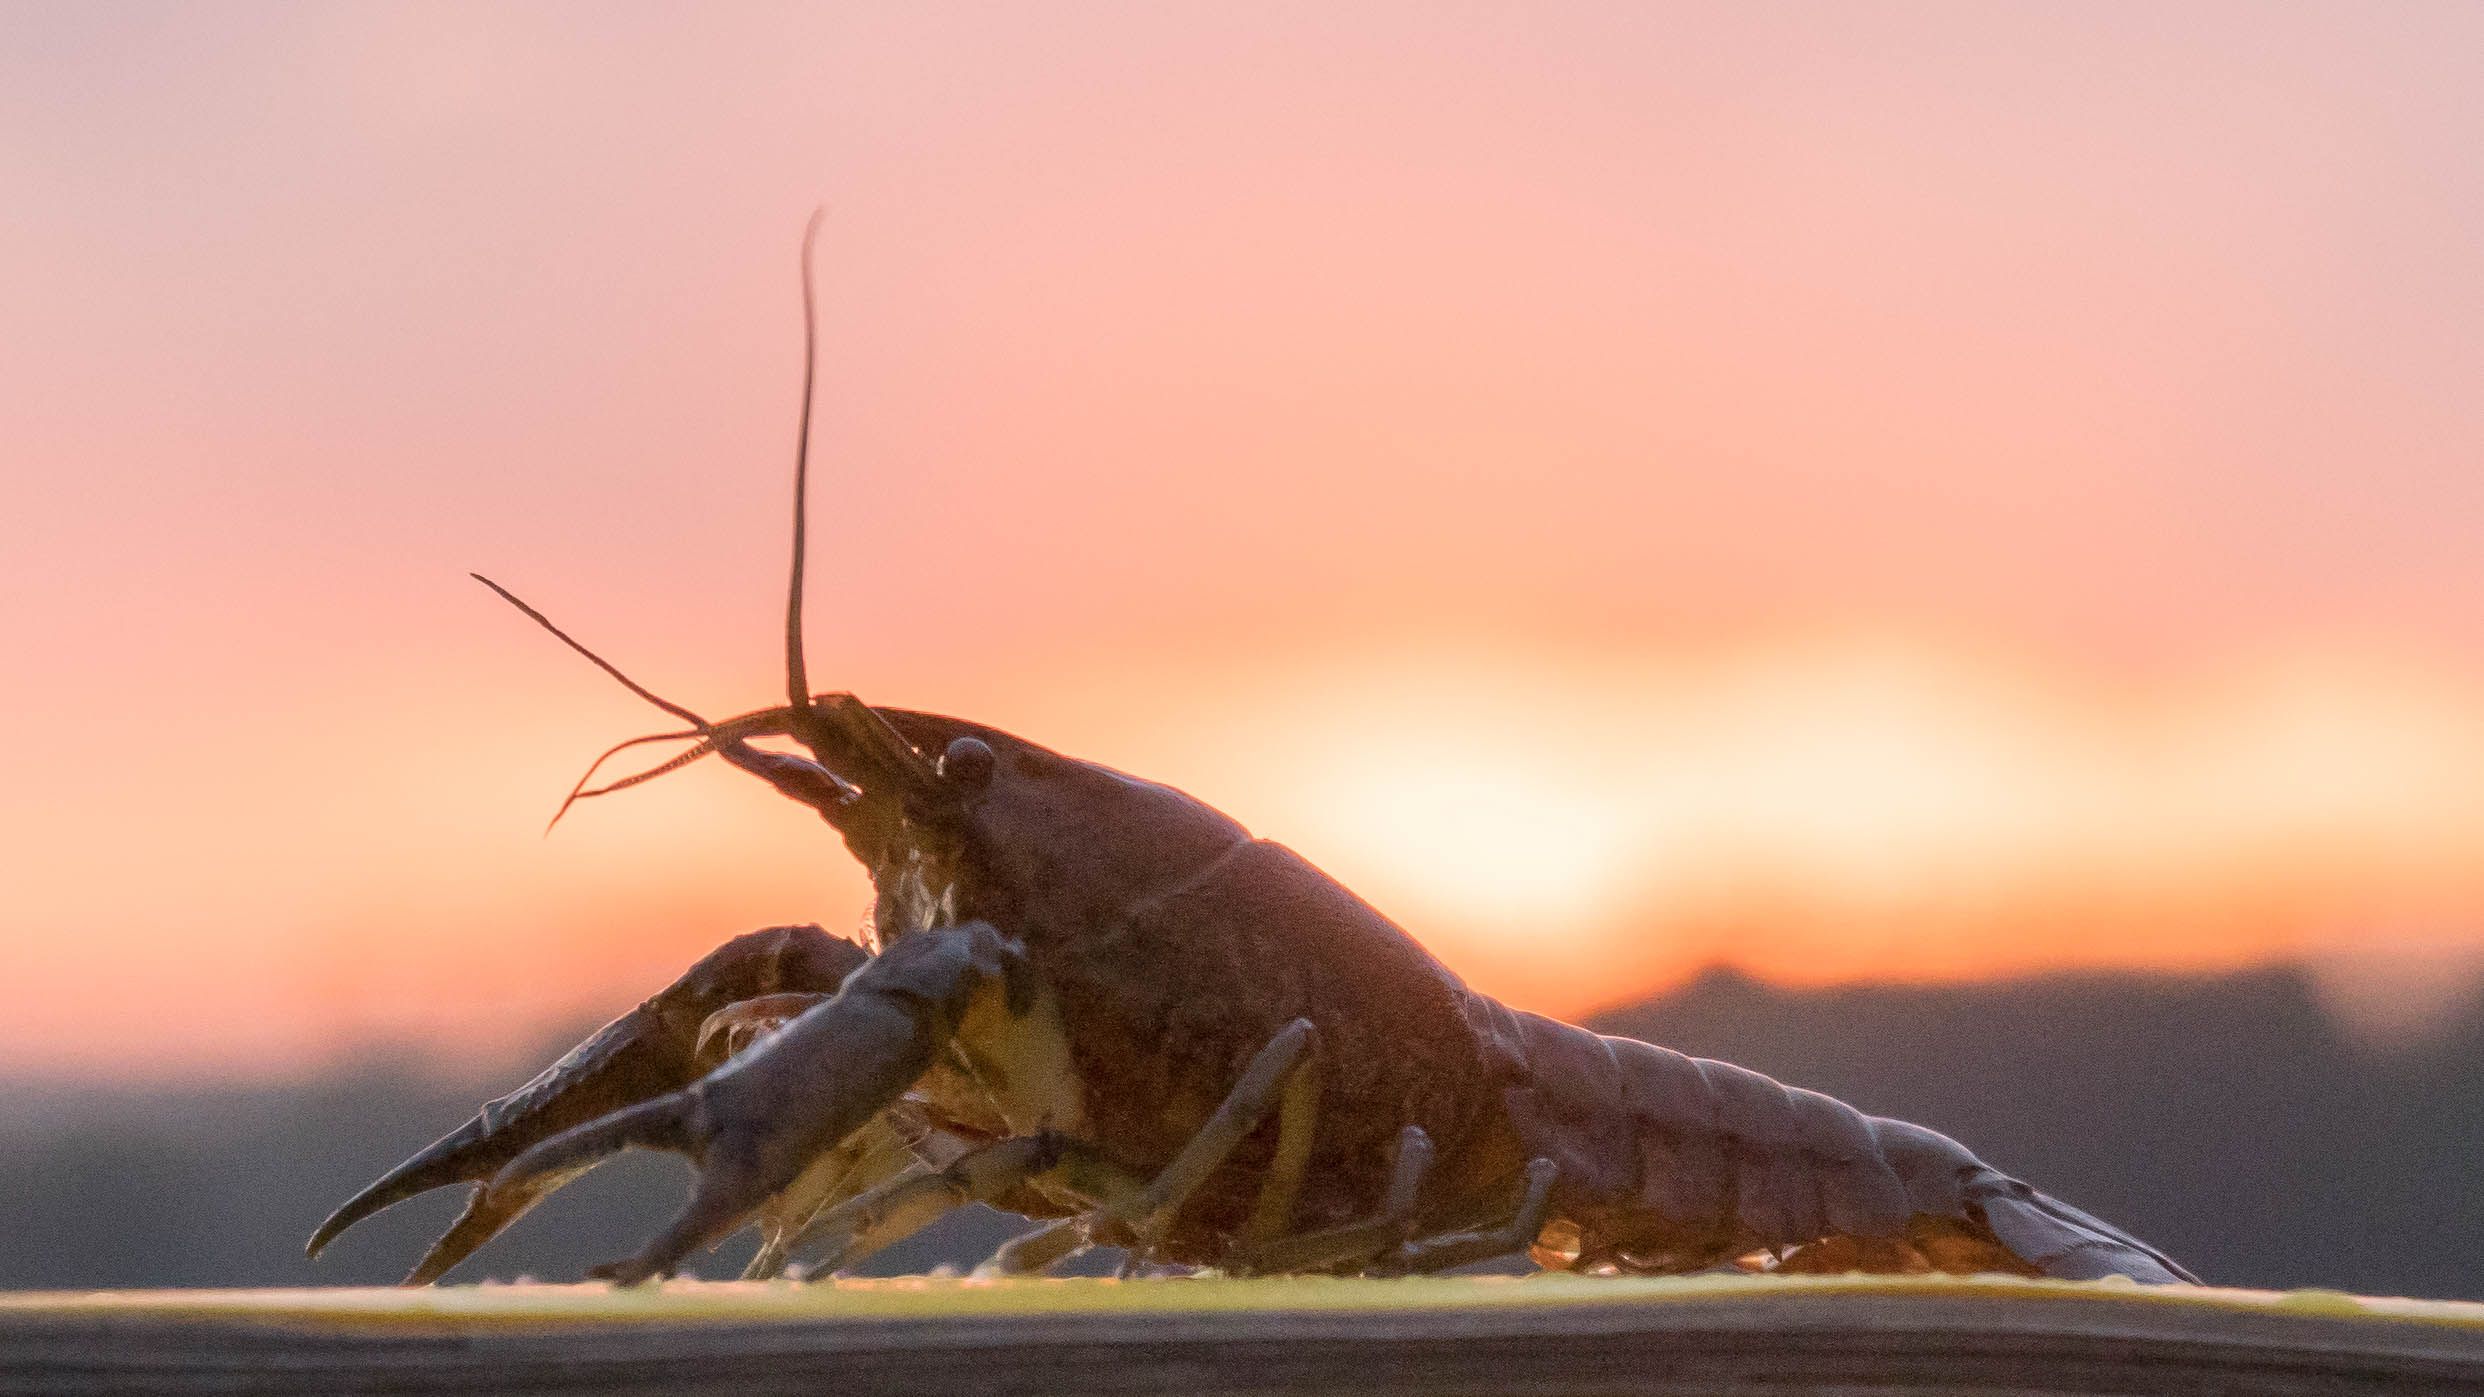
{"points": [[1718, 1336]]}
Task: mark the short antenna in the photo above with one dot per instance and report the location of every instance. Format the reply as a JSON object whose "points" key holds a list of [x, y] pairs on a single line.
{"points": [[797, 677], [581, 792]]}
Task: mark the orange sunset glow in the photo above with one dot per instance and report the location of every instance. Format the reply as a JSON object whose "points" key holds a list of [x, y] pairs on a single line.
{"points": [[1909, 491]]}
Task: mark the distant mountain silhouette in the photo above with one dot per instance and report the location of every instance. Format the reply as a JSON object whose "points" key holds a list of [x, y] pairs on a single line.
{"points": [[2224, 1118]]}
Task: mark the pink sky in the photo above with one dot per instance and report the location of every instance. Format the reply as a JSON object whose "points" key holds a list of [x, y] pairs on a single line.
{"points": [[1857, 490]]}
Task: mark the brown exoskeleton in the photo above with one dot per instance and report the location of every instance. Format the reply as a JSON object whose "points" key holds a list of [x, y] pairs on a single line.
{"points": [[1095, 999]]}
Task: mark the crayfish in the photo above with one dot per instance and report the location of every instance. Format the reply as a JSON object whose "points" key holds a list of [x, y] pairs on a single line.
{"points": [[1098, 1002]]}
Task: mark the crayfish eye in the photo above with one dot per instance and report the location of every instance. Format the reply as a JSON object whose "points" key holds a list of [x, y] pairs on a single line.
{"points": [[966, 763]]}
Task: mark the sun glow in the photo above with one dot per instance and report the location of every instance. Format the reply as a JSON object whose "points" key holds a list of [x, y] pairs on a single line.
{"points": [[1510, 838], [1563, 828], [1572, 831]]}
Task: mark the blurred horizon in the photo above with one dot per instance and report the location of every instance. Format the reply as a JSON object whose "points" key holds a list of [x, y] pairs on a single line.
{"points": [[2229, 1118], [1903, 493]]}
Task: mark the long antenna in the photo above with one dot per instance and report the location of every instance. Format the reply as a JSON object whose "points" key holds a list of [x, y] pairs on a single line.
{"points": [[600, 662], [797, 677]]}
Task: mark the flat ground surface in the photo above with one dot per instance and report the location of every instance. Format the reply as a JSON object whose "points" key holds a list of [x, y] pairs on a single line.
{"points": [[1551, 1334]]}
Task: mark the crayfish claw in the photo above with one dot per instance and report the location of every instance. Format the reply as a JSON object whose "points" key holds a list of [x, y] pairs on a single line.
{"points": [[664, 1124], [435, 1167], [756, 1124], [648, 1054], [627, 1059], [729, 1188], [661, 1124], [487, 1214]]}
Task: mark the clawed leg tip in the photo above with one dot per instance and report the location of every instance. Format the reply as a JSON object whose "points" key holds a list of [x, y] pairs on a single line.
{"points": [[626, 1275]]}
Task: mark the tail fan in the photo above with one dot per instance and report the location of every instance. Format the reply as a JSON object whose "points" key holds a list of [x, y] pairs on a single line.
{"points": [[2064, 1242]]}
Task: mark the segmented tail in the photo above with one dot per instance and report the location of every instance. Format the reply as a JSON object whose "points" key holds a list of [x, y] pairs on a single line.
{"points": [[1675, 1163]]}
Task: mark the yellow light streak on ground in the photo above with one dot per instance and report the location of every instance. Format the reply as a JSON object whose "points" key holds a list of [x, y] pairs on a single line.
{"points": [[685, 1301]]}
